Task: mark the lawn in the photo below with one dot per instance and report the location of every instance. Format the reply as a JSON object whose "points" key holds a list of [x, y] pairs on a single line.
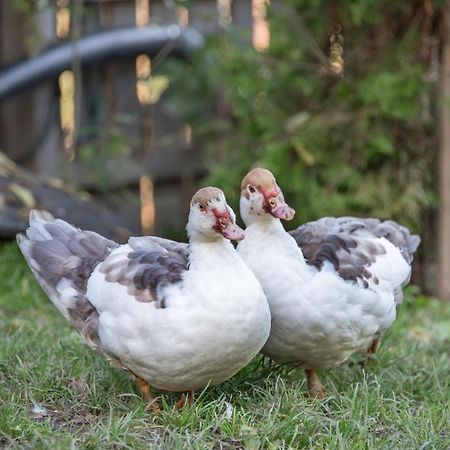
{"points": [[56, 393]]}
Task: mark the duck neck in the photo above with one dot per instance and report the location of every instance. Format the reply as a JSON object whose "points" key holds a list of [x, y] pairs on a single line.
{"points": [[204, 255], [271, 230], [267, 224]]}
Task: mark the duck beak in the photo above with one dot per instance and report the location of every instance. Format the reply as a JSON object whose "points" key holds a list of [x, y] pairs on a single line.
{"points": [[227, 227], [282, 211], [233, 232], [275, 205]]}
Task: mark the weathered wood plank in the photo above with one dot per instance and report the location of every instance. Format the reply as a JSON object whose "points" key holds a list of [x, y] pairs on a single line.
{"points": [[21, 191]]}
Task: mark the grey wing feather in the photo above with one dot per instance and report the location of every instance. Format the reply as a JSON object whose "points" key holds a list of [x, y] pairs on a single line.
{"points": [[62, 258], [178, 250], [397, 234], [154, 264], [343, 243]]}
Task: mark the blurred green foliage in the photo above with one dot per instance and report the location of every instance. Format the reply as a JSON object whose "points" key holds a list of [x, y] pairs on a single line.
{"points": [[361, 143]]}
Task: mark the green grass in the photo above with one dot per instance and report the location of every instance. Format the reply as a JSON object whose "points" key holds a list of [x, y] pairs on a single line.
{"points": [[401, 401]]}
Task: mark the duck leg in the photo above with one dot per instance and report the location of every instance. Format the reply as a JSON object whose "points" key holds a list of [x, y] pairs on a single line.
{"points": [[147, 394], [185, 398], [315, 387], [372, 349]]}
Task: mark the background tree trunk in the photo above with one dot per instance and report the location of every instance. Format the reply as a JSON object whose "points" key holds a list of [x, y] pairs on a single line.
{"points": [[444, 162]]}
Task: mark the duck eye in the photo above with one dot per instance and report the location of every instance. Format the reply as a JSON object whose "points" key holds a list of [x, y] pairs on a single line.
{"points": [[202, 207], [251, 189]]}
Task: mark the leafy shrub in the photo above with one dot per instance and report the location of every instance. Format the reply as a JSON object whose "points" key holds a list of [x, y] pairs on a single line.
{"points": [[361, 144]]}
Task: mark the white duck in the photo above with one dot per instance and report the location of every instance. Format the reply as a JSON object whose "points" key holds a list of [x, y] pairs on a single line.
{"points": [[178, 316], [333, 285]]}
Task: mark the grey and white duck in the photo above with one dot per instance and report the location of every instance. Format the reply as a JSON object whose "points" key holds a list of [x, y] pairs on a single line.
{"points": [[177, 316], [333, 285]]}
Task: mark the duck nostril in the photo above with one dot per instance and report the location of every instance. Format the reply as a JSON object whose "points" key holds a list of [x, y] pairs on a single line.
{"points": [[222, 223]]}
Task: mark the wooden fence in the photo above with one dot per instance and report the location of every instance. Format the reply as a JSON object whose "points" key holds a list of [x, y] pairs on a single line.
{"points": [[106, 106]]}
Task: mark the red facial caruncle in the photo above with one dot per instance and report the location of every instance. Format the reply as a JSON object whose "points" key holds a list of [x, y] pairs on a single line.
{"points": [[226, 226], [274, 204], [269, 199]]}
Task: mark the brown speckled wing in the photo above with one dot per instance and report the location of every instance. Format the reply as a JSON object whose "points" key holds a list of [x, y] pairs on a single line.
{"points": [[343, 243], [152, 265]]}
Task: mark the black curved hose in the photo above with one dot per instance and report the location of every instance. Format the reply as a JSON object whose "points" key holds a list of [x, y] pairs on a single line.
{"points": [[112, 44]]}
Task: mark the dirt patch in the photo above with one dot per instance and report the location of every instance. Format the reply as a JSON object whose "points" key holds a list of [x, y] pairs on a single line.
{"points": [[63, 416]]}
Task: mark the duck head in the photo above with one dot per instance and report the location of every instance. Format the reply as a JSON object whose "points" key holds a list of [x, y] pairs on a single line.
{"points": [[261, 198], [210, 217]]}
